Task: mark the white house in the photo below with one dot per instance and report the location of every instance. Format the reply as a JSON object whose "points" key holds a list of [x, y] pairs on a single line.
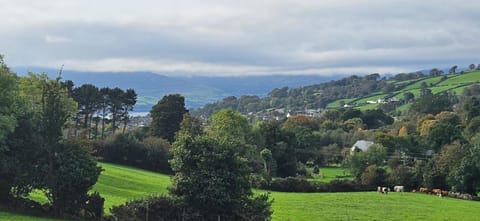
{"points": [[361, 145]]}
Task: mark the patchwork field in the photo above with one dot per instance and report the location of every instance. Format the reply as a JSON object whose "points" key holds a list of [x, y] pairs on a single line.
{"points": [[118, 184]]}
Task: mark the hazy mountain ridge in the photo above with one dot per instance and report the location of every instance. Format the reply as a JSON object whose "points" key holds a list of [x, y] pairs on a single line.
{"points": [[198, 90]]}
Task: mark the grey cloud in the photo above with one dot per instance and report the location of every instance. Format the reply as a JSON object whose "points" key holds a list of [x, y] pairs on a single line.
{"points": [[247, 36]]}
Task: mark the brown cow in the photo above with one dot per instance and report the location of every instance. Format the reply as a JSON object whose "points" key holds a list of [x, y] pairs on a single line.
{"points": [[424, 190], [437, 191], [444, 193]]}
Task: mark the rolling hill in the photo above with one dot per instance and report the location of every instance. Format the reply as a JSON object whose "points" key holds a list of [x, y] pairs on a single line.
{"points": [[118, 184], [362, 92], [198, 90]]}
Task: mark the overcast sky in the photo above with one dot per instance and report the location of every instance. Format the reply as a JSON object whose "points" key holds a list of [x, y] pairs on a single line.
{"points": [[241, 37]]}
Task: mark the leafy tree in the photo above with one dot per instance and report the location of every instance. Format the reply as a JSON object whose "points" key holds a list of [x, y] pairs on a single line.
{"points": [[228, 125], [453, 69], [435, 72], [408, 97], [88, 98], [8, 122], [403, 131], [404, 176], [373, 176], [129, 101], [7, 102], [424, 91], [351, 113], [212, 177], [376, 118], [103, 107], [167, 115], [191, 125], [471, 108], [443, 133], [115, 98], [471, 67], [267, 158], [465, 176], [301, 121], [359, 161], [434, 104], [75, 174]]}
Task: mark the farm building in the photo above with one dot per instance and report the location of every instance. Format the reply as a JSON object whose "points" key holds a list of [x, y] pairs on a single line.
{"points": [[361, 145]]}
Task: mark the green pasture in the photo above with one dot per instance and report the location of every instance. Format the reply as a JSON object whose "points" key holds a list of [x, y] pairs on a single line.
{"points": [[336, 104], [428, 81], [328, 174], [371, 98], [468, 77], [371, 206], [118, 184]]}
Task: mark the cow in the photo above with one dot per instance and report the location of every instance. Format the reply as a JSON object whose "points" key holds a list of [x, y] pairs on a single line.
{"points": [[424, 190], [385, 190], [444, 193], [437, 191], [399, 188]]}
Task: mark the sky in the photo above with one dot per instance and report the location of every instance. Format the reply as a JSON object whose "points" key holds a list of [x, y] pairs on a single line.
{"points": [[247, 37]]}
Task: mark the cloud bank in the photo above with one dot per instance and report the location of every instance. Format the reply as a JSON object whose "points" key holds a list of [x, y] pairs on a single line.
{"points": [[241, 37]]}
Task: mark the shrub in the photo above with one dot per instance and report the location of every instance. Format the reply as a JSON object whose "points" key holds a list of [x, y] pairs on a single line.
{"points": [[155, 208], [373, 176], [75, 172], [152, 153], [295, 184]]}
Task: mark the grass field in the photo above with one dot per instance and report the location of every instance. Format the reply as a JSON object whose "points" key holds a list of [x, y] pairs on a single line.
{"points": [[118, 183], [371, 206], [331, 173], [460, 79]]}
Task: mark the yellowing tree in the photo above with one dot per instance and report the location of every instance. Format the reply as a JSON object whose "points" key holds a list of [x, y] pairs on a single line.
{"points": [[403, 131]]}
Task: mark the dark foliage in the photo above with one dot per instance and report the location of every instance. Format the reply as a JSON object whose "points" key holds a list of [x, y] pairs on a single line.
{"points": [[296, 184], [152, 153], [165, 208], [167, 115]]}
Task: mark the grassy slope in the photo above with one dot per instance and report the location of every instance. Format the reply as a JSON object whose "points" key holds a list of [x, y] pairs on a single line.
{"points": [[454, 82], [119, 183]]}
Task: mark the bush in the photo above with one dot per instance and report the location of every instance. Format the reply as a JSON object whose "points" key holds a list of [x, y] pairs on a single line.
{"points": [[167, 208], [153, 207], [151, 154], [295, 184], [93, 208], [75, 172], [373, 176]]}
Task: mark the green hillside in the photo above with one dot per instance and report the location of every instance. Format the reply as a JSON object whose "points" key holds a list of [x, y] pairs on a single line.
{"points": [[358, 91], [453, 82], [118, 184]]}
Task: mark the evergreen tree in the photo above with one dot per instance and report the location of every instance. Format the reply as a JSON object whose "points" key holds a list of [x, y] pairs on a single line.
{"points": [[167, 115]]}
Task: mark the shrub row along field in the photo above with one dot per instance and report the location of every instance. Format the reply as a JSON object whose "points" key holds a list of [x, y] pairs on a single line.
{"points": [[118, 184]]}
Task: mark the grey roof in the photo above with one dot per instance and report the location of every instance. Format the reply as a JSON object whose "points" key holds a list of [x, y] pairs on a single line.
{"points": [[362, 145]]}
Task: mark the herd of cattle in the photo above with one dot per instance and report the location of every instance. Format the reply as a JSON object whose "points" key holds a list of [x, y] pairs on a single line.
{"points": [[438, 192]]}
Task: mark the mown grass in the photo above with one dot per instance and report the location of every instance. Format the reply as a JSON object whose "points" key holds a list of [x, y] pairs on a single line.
{"points": [[328, 174], [371, 206], [118, 184]]}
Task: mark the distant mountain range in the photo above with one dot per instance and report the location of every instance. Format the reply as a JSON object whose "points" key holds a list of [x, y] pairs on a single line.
{"points": [[198, 90]]}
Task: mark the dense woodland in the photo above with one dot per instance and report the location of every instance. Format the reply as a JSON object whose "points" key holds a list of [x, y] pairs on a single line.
{"points": [[52, 133]]}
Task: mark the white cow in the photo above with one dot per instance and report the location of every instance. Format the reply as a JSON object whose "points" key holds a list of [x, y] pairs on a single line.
{"points": [[399, 188]]}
